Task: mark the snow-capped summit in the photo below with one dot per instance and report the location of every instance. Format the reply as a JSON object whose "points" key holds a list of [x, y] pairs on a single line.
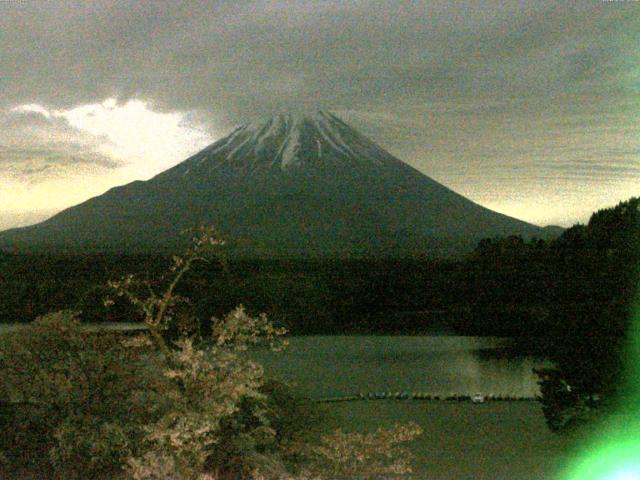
{"points": [[294, 184], [287, 141]]}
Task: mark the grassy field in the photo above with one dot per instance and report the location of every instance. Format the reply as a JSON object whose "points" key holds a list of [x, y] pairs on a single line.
{"points": [[463, 441]]}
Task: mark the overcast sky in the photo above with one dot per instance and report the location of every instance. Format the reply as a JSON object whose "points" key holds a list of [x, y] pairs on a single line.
{"points": [[530, 108]]}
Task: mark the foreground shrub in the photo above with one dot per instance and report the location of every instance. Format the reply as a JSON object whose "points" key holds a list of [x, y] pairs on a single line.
{"points": [[227, 422], [217, 418], [341, 456], [77, 398], [100, 405]]}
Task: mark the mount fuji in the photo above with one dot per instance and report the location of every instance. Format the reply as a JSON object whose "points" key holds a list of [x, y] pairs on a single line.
{"points": [[292, 185]]}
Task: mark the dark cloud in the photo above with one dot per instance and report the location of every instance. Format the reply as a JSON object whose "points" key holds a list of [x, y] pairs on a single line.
{"points": [[434, 81], [35, 127], [235, 59], [72, 155], [33, 165], [35, 148]]}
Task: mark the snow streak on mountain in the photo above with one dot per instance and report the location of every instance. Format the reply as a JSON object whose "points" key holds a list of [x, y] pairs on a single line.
{"points": [[287, 142], [292, 185]]}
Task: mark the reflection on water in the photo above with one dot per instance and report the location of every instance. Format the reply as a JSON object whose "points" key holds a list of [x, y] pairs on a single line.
{"points": [[442, 365]]}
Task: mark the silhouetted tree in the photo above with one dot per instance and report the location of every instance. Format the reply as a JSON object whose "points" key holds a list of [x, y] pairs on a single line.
{"points": [[596, 270]]}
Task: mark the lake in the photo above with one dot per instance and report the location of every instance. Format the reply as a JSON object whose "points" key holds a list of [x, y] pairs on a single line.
{"points": [[326, 366], [460, 440], [444, 365]]}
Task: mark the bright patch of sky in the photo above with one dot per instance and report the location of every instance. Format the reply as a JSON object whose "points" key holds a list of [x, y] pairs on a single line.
{"points": [[147, 141], [142, 141]]}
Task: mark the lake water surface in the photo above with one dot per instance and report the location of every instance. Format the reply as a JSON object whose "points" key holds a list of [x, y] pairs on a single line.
{"points": [[326, 366], [444, 365]]}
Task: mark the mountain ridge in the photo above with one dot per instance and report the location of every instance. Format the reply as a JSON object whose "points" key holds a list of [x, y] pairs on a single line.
{"points": [[301, 185]]}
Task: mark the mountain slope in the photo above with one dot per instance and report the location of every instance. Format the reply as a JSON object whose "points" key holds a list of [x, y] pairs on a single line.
{"points": [[291, 185]]}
